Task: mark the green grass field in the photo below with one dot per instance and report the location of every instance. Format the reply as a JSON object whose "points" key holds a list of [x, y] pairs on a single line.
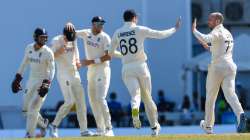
{"points": [[161, 137]]}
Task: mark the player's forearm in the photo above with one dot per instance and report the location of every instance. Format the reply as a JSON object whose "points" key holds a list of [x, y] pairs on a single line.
{"points": [[207, 38], [113, 52], [164, 33], [22, 67], [116, 54], [169, 32], [204, 44]]}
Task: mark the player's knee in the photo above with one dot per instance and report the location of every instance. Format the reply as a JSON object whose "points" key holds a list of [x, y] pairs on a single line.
{"points": [[146, 97], [32, 112], [135, 91]]}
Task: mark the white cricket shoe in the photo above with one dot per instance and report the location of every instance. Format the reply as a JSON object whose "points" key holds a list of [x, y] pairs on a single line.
{"points": [[136, 118], [27, 135], [99, 133], [156, 130], [87, 133], [109, 133], [43, 128], [53, 131], [208, 130]]}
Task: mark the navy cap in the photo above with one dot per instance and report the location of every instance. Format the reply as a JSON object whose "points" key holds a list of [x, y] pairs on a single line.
{"points": [[98, 19]]}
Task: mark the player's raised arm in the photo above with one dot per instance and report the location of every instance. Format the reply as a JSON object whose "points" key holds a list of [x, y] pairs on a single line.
{"points": [[57, 48], [79, 33], [150, 33], [205, 37]]}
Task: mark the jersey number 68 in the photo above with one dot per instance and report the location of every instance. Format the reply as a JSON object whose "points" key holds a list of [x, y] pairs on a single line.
{"points": [[130, 47]]}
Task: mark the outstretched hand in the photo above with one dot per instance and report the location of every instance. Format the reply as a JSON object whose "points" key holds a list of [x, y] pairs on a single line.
{"points": [[194, 25], [178, 23]]}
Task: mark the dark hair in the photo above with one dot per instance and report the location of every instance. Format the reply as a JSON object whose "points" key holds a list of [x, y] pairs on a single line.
{"points": [[129, 14]]}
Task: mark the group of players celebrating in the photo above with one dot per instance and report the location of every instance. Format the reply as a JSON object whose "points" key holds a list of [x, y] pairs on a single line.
{"points": [[99, 49]]}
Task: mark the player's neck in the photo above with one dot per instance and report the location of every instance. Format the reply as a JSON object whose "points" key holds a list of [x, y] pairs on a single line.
{"points": [[95, 32], [37, 47]]}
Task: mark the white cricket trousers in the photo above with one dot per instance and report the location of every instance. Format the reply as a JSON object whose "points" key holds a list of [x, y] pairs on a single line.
{"points": [[137, 79], [73, 93], [222, 74], [32, 104], [98, 84]]}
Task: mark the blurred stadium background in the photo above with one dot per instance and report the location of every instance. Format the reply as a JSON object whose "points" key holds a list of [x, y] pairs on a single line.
{"points": [[178, 64]]}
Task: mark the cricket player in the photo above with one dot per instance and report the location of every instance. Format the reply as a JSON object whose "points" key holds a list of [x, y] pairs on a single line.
{"points": [[135, 73], [40, 58], [96, 45], [221, 71], [68, 62]]}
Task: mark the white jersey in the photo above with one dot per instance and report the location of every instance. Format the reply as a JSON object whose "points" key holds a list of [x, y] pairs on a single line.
{"points": [[94, 45], [130, 39], [66, 62], [41, 62], [221, 44]]}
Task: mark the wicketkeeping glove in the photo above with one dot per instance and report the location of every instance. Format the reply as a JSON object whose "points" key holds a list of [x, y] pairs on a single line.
{"points": [[15, 86], [44, 88]]}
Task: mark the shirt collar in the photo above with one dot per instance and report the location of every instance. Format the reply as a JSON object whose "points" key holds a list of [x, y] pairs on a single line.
{"points": [[129, 24], [218, 26]]}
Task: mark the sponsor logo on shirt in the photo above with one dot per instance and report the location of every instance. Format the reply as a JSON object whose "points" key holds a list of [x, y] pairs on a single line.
{"points": [[93, 44], [34, 60]]}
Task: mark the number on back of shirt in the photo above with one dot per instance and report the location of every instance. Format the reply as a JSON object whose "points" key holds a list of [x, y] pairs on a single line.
{"points": [[228, 43], [128, 46]]}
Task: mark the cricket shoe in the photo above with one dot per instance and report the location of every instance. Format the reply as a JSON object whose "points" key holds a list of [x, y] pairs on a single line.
{"points": [[87, 133], [156, 130], [27, 135], [243, 124], [208, 130], [99, 133], [136, 118], [43, 129], [109, 132], [53, 131]]}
